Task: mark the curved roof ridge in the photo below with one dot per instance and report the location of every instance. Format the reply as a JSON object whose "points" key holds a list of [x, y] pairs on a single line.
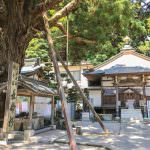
{"points": [[119, 55]]}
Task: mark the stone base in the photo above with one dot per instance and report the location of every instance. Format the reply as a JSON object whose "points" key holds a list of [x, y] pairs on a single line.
{"points": [[3, 139], [79, 130], [53, 127], [16, 135], [28, 134], [117, 118], [3, 142]]}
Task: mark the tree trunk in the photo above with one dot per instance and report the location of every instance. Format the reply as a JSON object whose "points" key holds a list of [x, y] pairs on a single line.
{"points": [[14, 37], [11, 53]]}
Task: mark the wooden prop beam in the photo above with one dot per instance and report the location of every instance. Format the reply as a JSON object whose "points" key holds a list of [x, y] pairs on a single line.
{"points": [[61, 93], [83, 96]]}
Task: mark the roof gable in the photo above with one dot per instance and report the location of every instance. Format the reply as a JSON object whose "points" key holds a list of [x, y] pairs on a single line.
{"points": [[128, 59]]}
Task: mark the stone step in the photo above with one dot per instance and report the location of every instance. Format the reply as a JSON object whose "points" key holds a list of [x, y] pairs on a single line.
{"points": [[128, 115], [16, 136]]}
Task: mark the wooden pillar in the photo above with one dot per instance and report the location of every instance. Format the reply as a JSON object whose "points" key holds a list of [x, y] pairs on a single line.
{"points": [[101, 91], [117, 96], [52, 110], [144, 97], [31, 111], [61, 93]]}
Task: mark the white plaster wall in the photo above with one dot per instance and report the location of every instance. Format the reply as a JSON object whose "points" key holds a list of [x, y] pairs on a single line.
{"points": [[107, 83], [107, 78], [95, 96], [84, 81], [147, 90], [42, 106]]}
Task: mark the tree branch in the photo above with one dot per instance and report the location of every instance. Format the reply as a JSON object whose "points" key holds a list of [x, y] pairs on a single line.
{"points": [[79, 40], [64, 11], [45, 6], [38, 22]]}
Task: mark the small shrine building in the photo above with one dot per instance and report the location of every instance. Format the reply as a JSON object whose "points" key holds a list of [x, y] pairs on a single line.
{"points": [[122, 82]]}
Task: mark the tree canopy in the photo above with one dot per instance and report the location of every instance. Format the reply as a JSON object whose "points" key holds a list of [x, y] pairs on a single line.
{"points": [[97, 28]]}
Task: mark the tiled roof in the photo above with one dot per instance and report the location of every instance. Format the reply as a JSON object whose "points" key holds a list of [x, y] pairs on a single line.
{"points": [[36, 86], [127, 61], [29, 70], [120, 69]]}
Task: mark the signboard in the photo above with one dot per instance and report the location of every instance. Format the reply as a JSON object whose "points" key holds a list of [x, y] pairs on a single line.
{"points": [[10, 104]]}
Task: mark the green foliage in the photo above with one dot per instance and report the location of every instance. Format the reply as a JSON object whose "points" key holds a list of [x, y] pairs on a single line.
{"points": [[145, 48], [104, 22], [73, 95], [38, 47], [106, 51]]}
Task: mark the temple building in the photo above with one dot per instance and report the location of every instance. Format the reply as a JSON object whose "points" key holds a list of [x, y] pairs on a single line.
{"points": [[121, 84]]}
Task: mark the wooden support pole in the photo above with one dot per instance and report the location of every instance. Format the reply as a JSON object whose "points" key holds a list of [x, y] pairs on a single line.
{"points": [[117, 96], [52, 110], [61, 93], [117, 101], [144, 97], [83, 96], [31, 111]]}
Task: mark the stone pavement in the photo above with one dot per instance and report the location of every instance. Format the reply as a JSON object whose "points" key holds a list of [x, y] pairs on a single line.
{"points": [[133, 136], [94, 128], [55, 146]]}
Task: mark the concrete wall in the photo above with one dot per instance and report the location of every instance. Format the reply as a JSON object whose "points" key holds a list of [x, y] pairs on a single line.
{"points": [[95, 97]]}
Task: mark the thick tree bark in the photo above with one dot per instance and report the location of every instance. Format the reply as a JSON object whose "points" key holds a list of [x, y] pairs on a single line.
{"points": [[14, 36]]}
